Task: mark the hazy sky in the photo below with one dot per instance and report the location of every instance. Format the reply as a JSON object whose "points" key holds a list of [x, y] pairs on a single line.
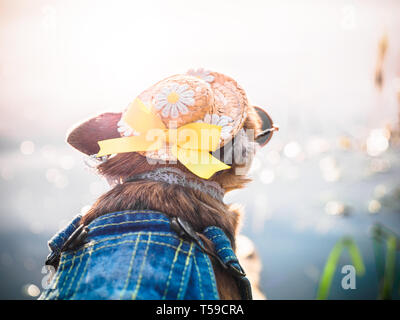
{"points": [[303, 61]]}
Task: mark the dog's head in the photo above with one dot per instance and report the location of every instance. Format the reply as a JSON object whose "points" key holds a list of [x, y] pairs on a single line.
{"points": [[198, 96]]}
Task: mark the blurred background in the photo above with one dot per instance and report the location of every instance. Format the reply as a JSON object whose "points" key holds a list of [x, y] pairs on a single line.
{"points": [[328, 72]]}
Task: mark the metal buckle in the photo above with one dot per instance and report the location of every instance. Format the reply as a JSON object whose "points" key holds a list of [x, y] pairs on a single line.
{"points": [[52, 259], [236, 272], [76, 238], [184, 230], [73, 242]]}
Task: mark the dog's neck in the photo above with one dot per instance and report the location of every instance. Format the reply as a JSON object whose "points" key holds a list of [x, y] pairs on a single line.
{"points": [[173, 193], [174, 176]]}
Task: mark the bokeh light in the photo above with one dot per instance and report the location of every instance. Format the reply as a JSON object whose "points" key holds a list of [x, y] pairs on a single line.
{"points": [[27, 147], [316, 67], [31, 290]]}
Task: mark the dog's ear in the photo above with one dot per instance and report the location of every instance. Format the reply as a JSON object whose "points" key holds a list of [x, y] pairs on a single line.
{"points": [[84, 136]]}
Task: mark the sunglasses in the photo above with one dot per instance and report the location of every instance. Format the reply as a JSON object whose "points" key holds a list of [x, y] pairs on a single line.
{"points": [[268, 127]]}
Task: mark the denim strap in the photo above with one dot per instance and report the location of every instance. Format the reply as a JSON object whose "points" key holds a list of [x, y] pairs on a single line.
{"points": [[223, 249], [57, 241]]}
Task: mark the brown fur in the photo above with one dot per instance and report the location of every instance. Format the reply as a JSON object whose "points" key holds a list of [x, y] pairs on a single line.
{"points": [[198, 208]]}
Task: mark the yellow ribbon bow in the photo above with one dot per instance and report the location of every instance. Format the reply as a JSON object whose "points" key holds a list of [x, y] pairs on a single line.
{"points": [[190, 144]]}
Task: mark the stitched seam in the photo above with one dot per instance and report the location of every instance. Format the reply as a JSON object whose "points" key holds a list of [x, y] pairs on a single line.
{"points": [[75, 274], [184, 271], [211, 274], [120, 237], [230, 258], [83, 253], [216, 236], [141, 269], [170, 271], [133, 256], [122, 214], [128, 241], [224, 248], [127, 222], [83, 272], [66, 278], [163, 234], [58, 276], [199, 275]]}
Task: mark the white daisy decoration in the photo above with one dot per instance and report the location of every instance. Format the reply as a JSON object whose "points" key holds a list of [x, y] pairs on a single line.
{"points": [[125, 129], [174, 100], [202, 74], [224, 121]]}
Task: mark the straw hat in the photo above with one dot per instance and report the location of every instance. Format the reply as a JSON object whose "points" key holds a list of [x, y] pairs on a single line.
{"points": [[196, 96]]}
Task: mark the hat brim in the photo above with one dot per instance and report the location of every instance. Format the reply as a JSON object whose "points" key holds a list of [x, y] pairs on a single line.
{"points": [[84, 136]]}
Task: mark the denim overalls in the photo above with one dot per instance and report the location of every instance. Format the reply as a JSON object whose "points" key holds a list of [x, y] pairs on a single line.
{"points": [[138, 255]]}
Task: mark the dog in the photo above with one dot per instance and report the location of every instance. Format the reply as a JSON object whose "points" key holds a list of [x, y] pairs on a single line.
{"points": [[119, 249]]}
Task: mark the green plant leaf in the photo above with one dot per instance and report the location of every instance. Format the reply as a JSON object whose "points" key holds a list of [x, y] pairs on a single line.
{"points": [[332, 261], [390, 266], [356, 258], [329, 271]]}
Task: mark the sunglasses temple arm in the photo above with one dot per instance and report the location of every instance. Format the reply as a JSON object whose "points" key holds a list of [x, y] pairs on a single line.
{"points": [[264, 132]]}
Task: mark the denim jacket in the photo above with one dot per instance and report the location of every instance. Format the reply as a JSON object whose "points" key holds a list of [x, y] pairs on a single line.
{"points": [[136, 255]]}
